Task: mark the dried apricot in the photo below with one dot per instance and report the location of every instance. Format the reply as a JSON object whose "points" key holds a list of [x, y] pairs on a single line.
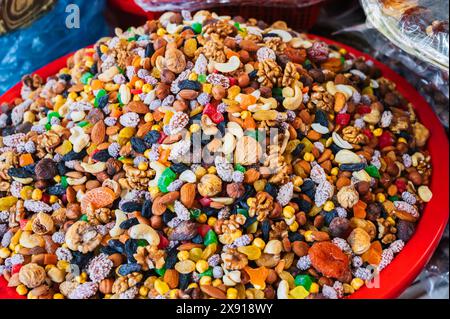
{"points": [[328, 259], [98, 197], [257, 276], [373, 255]]}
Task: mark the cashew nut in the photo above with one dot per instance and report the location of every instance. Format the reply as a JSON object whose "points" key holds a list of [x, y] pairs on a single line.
{"points": [[284, 35], [78, 138], [339, 141], [76, 181], [231, 278], [29, 240], [116, 230], [159, 169], [362, 176], [373, 117], [416, 158], [142, 231], [232, 65], [235, 129], [94, 168], [293, 103], [229, 143], [283, 290]]}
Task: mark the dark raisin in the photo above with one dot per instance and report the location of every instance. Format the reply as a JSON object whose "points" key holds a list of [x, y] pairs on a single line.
{"points": [[152, 137], [185, 280], [129, 268], [295, 237], [252, 75], [374, 211], [321, 118], [149, 50], [303, 205], [66, 77], [80, 259], [298, 149], [130, 206], [46, 169], [146, 211], [117, 245], [101, 156], [265, 229], [171, 258], [19, 172], [405, 230], [186, 230], [168, 216], [62, 168], [138, 145], [131, 246], [334, 148], [107, 250], [354, 167], [189, 85], [71, 156], [179, 167], [271, 189], [57, 190], [129, 223]]}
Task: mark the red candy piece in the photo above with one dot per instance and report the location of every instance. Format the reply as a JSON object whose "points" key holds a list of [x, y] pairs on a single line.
{"points": [[217, 117], [363, 109], [163, 242], [15, 269], [233, 81], [46, 198], [205, 201], [136, 91], [203, 229], [210, 109], [401, 185], [367, 133], [386, 139], [22, 223], [343, 119], [161, 137]]}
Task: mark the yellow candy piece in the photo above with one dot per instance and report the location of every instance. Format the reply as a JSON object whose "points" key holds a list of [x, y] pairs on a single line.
{"points": [[195, 254], [251, 251], [161, 287], [7, 202], [209, 251], [299, 292], [233, 92]]}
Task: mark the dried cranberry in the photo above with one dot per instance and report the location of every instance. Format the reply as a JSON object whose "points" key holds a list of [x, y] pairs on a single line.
{"points": [[16, 268], [233, 81], [401, 185], [385, 139], [163, 242], [161, 137], [363, 109], [217, 118], [205, 201], [343, 119], [367, 133]]}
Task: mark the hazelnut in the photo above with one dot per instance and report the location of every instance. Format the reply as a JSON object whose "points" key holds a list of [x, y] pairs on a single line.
{"points": [[162, 91], [105, 286], [218, 92], [167, 76], [243, 80], [415, 178], [363, 187], [235, 190]]}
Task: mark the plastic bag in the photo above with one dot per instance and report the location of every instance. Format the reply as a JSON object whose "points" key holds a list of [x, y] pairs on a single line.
{"points": [[419, 27], [192, 5], [25, 50]]}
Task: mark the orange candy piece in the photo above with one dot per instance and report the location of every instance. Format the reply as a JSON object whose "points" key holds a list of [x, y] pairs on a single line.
{"points": [[25, 159], [163, 157], [99, 197], [257, 276], [247, 100], [359, 210], [373, 255], [96, 85]]}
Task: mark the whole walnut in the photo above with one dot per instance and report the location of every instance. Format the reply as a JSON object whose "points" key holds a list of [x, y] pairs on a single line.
{"points": [[83, 237], [210, 185], [347, 196]]}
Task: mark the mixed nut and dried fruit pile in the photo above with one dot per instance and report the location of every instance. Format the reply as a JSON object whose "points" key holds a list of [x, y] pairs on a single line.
{"points": [[203, 156]]}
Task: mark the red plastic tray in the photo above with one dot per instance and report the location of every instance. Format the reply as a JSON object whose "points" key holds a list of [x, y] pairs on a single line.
{"points": [[396, 277]]}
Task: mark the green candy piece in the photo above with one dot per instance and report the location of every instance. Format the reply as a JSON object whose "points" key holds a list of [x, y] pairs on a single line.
{"points": [[197, 27], [83, 123], [167, 177], [303, 280], [142, 242], [160, 271], [86, 77], [53, 114], [210, 238], [201, 78], [307, 62], [100, 93], [206, 273], [393, 198], [238, 26], [242, 211], [48, 126], [64, 182], [195, 213], [119, 98], [84, 218], [342, 60], [131, 39], [240, 168], [277, 91], [373, 171]]}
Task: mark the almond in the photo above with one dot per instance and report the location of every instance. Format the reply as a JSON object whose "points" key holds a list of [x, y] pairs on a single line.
{"points": [[171, 277], [160, 203], [98, 132], [248, 45], [144, 129], [189, 246], [213, 291], [137, 107], [187, 194]]}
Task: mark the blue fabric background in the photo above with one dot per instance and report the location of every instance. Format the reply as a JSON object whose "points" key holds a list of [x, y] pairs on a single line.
{"points": [[26, 50]]}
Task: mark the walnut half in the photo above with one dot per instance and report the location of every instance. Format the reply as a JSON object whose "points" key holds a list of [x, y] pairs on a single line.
{"points": [[83, 237]]}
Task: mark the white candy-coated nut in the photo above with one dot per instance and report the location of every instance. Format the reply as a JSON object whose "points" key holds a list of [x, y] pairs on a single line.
{"points": [[273, 247], [143, 231], [339, 141], [125, 94], [294, 102], [235, 129], [232, 65], [94, 168], [283, 290], [116, 230], [425, 193], [188, 176], [29, 240], [150, 97], [347, 157]]}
